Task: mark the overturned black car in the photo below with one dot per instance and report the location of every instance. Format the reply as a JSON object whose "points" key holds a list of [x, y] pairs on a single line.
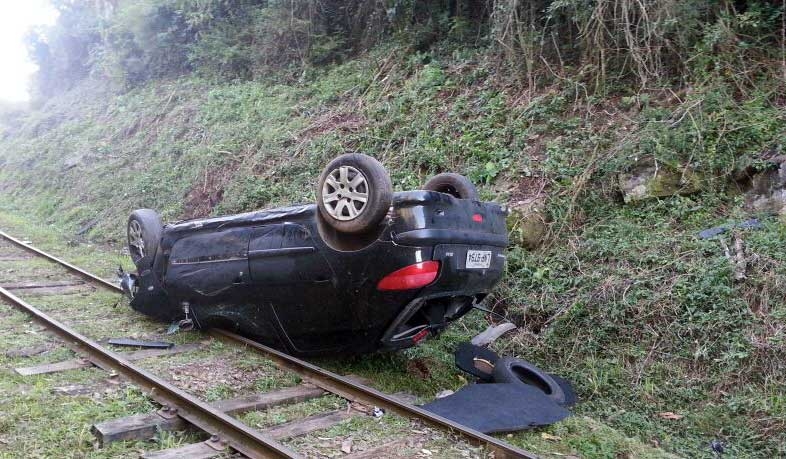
{"points": [[364, 269]]}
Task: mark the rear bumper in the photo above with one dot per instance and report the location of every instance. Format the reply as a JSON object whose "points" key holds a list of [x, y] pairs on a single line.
{"points": [[448, 298]]}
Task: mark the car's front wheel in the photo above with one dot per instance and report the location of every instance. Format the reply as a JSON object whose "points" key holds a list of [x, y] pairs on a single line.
{"points": [[144, 233], [354, 193]]}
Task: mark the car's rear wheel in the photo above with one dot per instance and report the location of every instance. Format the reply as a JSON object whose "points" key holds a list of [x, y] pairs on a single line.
{"points": [[354, 193], [455, 185], [144, 233], [517, 371]]}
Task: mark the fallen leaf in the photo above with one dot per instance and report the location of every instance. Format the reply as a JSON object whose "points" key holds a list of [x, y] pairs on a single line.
{"points": [[670, 416], [426, 452], [548, 436]]}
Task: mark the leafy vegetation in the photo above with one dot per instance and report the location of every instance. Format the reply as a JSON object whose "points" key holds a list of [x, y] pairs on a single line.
{"points": [[217, 106]]}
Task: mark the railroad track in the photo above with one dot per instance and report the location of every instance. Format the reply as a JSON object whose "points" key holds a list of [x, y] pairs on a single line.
{"points": [[218, 420]]}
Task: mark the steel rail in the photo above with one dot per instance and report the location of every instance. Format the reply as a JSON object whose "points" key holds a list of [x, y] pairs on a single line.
{"points": [[350, 390], [328, 380], [237, 435], [74, 269]]}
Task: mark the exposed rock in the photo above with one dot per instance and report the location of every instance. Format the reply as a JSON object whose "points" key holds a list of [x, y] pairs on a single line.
{"points": [[765, 190], [527, 222], [649, 179]]}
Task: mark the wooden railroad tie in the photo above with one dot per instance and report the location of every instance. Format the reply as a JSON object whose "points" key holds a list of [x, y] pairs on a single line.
{"points": [[50, 287], [144, 426], [213, 447], [74, 364]]}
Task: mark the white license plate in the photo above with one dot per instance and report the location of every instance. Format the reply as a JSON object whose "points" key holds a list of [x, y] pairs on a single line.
{"points": [[478, 259]]}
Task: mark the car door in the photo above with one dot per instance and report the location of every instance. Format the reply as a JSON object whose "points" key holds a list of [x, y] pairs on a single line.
{"points": [[209, 264], [299, 285]]}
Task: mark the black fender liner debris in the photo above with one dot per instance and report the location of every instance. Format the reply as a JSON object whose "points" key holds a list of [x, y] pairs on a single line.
{"points": [[494, 408], [475, 360], [753, 223], [480, 362], [517, 371]]}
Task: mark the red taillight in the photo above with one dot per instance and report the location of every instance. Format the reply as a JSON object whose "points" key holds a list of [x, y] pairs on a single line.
{"points": [[420, 335], [413, 276], [477, 218]]}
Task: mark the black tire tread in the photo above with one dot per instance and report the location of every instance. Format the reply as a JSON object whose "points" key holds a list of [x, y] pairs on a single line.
{"points": [[152, 229], [453, 184]]}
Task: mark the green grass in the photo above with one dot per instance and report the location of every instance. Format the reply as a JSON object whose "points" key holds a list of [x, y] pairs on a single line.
{"points": [[624, 300], [387, 372]]}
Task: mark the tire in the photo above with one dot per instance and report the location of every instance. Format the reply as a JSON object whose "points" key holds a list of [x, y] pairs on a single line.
{"points": [[144, 233], [517, 371], [455, 185], [362, 177]]}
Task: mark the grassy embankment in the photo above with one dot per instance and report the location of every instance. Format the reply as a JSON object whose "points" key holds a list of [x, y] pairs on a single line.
{"points": [[622, 299], [46, 415]]}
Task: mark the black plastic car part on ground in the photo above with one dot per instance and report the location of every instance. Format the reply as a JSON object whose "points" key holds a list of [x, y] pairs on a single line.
{"points": [[291, 279], [511, 394], [499, 407], [488, 367]]}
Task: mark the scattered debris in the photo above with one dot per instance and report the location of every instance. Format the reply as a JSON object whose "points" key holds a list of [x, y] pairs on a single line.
{"points": [[505, 401], [476, 360], [753, 223], [670, 416], [548, 436], [140, 343], [86, 227], [444, 393], [346, 446], [496, 408], [72, 161], [492, 333], [717, 447], [378, 412], [482, 365]]}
